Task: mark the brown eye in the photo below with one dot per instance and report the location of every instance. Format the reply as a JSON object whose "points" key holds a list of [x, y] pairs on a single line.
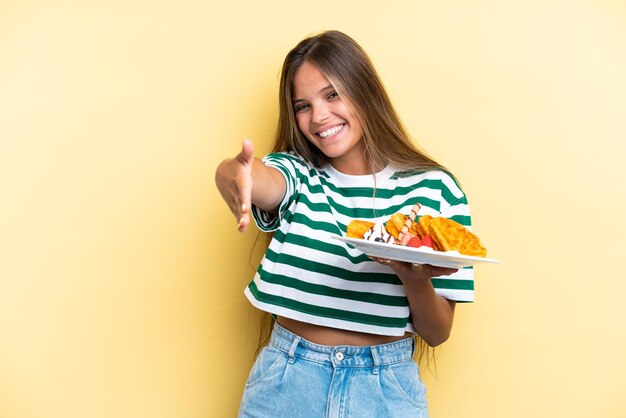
{"points": [[300, 107]]}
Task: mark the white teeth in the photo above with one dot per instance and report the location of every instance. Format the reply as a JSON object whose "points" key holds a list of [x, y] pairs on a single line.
{"points": [[331, 131]]}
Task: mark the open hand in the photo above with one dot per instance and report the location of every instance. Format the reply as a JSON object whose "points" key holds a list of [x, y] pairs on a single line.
{"points": [[234, 181]]}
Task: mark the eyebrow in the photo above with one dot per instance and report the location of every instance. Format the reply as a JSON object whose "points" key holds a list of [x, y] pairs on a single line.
{"points": [[323, 89]]}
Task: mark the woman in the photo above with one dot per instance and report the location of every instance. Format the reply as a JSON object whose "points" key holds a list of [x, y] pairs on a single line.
{"points": [[343, 340]]}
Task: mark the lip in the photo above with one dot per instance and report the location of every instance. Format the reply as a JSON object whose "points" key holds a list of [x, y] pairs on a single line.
{"points": [[327, 127]]}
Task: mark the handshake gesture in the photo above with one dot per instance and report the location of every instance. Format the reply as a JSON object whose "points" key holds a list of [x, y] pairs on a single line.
{"points": [[244, 180]]}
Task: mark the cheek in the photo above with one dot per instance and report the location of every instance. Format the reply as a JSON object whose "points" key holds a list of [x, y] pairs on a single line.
{"points": [[349, 116], [355, 126], [302, 122], [358, 131]]}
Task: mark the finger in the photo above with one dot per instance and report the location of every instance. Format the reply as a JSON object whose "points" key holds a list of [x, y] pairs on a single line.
{"points": [[244, 221], [244, 185], [245, 197], [243, 212], [242, 215], [380, 260], [447, 272], [247, 152], [437, 271], [444, 271]]}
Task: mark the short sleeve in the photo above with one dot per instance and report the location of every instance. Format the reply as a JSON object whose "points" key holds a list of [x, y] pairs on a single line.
{"points": [[460, 285], [289, 166]]}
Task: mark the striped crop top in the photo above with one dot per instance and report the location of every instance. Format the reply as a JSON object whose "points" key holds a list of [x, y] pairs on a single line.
{"points": [[307, 276]]}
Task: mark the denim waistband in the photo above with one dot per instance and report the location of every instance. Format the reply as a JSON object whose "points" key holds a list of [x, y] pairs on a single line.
{"points": [[342, 355]]}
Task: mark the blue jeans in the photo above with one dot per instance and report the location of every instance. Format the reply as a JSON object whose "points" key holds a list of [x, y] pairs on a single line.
{"points": [[293, 377]]}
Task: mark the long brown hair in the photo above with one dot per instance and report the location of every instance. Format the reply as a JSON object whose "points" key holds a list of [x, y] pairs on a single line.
{"points": [[351, 72]]}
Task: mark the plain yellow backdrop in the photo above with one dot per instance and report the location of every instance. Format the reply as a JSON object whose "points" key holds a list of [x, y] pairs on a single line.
{"points": [[121, 272]]}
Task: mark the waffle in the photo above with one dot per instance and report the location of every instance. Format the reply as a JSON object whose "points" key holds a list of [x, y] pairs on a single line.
{"points": [[395, 223], [422, 227], [449, 235], [356, 228]]}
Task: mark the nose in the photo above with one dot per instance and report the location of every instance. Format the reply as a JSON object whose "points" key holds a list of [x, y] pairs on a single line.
{"points": [[320, 113]]}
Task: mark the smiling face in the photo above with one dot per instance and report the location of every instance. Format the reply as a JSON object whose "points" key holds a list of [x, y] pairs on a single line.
{"points": [[326, 121]]}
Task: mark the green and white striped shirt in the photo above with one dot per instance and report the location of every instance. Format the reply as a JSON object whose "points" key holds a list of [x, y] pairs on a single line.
{"points": [[307, 276]]}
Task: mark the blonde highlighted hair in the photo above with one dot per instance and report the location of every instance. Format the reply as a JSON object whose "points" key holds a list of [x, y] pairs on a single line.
{"points": [[351, 72]]}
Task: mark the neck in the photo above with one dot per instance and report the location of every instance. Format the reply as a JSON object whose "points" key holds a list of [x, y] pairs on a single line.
{"points": [[354, 166]]}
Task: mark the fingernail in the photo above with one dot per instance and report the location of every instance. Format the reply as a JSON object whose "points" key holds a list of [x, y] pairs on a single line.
{"points": [[243, 207]]}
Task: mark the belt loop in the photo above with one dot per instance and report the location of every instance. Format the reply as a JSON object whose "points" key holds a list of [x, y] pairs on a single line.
{"points": [[292, 350], [376, 359]]}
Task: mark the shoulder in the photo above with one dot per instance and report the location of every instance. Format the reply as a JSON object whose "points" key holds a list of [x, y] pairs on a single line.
{"points": [[293, 165], [286, 159], [435, 179]]}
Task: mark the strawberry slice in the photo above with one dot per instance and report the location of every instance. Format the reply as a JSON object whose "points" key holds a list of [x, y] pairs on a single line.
{"points": [[427, 241], [415, 242]]}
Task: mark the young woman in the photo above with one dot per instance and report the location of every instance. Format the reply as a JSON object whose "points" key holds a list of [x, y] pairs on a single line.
{"points": [[342, 344]]}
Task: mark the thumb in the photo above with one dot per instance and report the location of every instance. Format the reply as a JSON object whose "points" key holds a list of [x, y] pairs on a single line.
{"points": [[247, 152]]}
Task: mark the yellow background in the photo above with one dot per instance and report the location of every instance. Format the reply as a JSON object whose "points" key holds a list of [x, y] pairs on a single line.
{"points": [[121, 273]]}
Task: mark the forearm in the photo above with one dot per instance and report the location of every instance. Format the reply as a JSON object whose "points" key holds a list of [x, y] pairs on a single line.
{"points": [[432, 314], [268, 186]]}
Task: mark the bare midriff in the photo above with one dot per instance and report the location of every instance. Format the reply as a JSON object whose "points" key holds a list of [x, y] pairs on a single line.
{"points": [[333, 336]]}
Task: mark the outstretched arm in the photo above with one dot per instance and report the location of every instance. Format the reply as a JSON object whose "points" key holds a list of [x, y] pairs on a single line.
{"points": [[244, 180]]}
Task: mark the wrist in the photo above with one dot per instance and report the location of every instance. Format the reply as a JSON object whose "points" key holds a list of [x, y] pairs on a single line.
{"points": [[416, 280], [417, 271]]}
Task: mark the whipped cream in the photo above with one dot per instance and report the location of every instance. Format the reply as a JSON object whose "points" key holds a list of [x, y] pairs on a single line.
{"points": [[379, 233]]}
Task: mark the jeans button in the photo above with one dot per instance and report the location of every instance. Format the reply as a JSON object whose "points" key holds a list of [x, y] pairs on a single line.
{"points": [[339, 356]]}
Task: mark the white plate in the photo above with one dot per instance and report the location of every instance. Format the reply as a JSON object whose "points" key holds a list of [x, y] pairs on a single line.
{"points": [[421, 255]]}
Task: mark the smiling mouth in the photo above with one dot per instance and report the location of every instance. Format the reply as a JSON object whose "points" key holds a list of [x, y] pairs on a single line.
{"points": [[330, 132]]}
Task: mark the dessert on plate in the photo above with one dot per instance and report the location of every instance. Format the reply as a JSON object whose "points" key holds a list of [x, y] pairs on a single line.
{"points": [[438, 233]]}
